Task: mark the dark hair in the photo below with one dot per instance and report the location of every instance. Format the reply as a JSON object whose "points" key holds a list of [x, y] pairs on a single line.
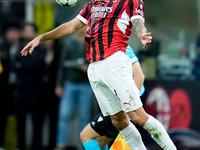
{"points": [[30, 24], [12, 25]]}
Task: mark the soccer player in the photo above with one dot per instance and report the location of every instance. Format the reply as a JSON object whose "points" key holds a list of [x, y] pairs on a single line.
{"points": [[100, 131], [109, 25]]}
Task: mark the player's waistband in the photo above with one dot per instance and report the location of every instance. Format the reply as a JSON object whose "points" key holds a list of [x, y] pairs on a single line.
{"points": [[118, 53]]}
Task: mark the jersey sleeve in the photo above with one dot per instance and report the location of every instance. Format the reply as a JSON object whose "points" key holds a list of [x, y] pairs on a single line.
{"points": [[131, 54], [136, 9], [85, 13]]}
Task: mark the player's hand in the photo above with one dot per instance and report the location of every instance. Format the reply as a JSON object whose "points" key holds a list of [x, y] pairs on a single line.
{"points": [[146, 39], [30, 46]]}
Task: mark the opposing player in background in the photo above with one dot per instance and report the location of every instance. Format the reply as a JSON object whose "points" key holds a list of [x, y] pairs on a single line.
{"points": [[108, 30], [28, 89], [100, 131]]}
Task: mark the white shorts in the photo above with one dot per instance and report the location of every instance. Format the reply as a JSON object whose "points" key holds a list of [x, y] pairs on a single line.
{"points": [[113, 85]]}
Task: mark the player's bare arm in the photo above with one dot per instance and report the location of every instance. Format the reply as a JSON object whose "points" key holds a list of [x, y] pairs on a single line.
{"points": [[141, 32], [59, 32], [138, 75]]}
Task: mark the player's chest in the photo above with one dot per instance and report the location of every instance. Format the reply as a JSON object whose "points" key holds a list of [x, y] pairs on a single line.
{"points": [[106, 9]]}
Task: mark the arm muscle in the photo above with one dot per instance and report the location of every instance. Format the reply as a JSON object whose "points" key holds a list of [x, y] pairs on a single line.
{"points": [[63, 30], [139, 27], [138, 75]]}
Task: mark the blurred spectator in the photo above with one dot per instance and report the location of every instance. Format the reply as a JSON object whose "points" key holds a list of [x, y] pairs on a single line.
{"points": [[182, 53], [151, 51], [73, 87], [8, 51], [49, 97], [175, 68], [29, 87], [185, 139], [148, 59], [196, 70], [198, 49]]}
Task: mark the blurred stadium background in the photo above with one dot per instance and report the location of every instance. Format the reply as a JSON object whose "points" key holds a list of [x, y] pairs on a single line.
{"points": [[172, 87]]}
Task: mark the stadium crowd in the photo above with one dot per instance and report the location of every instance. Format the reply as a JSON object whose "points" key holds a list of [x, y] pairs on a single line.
{"points": [[52, 81]]}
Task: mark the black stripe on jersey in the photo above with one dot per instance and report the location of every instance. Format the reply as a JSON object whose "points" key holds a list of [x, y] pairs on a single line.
{"points": [[94, 51], [89, 22], [87, 40], [100, 37], [90, 41], [95, 19], [140, 3], [93, 29], [112, 21], [86, 11], [131, 6]]}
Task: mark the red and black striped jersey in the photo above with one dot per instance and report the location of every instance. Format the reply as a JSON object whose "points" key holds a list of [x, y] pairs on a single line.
{"points": [[109, 25]]}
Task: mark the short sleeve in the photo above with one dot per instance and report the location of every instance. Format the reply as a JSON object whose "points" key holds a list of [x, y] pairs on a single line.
{"points": [[131, 54], [84, 14], [136, 9]]}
